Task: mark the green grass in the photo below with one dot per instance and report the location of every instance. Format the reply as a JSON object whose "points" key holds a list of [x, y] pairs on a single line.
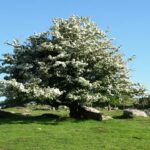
{"points": [[59, 132]]}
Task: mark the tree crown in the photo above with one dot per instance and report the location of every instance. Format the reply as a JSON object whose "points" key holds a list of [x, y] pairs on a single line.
{"points": [[74, 61]]}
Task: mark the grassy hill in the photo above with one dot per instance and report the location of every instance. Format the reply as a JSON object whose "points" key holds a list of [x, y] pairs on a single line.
{"points": [[57, 131]]}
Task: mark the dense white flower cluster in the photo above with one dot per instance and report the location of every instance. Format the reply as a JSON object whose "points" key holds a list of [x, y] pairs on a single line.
{"points": [[84, 82], [57, 63], [31, 92], [44, 93]]}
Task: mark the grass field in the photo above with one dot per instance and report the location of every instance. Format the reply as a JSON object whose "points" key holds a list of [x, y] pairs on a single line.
{"points": [[58, 132]]}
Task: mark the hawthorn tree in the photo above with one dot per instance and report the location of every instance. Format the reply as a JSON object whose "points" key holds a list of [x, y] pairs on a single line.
{"points": [[74, 63]]}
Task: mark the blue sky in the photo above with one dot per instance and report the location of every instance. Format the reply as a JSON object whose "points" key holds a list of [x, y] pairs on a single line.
{"points": [[128, 22]]}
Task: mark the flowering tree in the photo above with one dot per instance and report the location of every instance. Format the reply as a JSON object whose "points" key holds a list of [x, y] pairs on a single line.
{"points": [[73, 64]]}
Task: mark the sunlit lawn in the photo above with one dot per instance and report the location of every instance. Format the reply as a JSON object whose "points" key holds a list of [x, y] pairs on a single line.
{"points": [[58, 132]]}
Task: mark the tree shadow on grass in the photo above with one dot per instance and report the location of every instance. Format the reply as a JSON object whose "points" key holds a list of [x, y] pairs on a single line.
{"points": [[17, 118], [46, 119], [119, 117], [122, 117]]}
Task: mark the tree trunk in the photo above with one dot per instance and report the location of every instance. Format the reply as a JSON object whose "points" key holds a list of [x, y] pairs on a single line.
{"points": [[109, 107], [82, 112], [74, 110]]}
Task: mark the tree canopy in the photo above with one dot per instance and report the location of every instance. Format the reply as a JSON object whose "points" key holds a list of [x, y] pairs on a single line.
{"points": [[73, 62]]}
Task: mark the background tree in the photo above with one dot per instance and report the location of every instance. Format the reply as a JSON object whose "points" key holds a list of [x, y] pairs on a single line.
{"points": [[73, 64], [144, 102]]}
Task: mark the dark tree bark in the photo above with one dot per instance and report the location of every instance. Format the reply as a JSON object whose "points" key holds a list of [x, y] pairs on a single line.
{"points": [[75, 110], [82, 112]]}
